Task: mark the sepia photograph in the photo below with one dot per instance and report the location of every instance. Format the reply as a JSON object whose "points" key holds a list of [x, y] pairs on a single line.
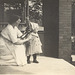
{"points": [[37, 37]]}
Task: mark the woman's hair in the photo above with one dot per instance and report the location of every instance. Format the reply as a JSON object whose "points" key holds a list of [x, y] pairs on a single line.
{"points": [[13, 18]]}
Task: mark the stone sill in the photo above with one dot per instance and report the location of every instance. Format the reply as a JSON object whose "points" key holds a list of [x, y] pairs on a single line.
{"points": [[73, 57]]}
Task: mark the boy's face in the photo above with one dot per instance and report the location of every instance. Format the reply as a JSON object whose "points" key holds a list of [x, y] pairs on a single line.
{"points": [[35, 30]]}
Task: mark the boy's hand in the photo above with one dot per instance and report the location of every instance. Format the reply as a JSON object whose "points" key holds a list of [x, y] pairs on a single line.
{"points": [[29, 37]]}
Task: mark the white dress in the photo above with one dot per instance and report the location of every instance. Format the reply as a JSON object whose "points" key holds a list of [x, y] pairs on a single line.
{"points": [[35, 46], [10, 51]]}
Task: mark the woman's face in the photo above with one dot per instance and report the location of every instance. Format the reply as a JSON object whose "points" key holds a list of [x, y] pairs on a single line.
{"points": [[18, 21]]}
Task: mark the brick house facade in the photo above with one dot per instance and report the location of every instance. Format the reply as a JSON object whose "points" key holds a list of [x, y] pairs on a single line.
{"points": [[58, 28], [65, 15]]}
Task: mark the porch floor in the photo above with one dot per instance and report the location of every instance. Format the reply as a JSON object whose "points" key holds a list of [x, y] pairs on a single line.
{"points": [[47, 66]]}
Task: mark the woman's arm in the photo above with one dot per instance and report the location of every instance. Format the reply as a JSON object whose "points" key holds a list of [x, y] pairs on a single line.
{"points": [[21, 41]]}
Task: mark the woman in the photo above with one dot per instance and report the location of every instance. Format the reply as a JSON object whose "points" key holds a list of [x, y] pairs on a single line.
{"points": [[12, 47]]}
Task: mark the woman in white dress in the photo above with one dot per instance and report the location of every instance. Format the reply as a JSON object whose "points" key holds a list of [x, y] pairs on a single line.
{"points": [[11, 46], [35, 44]]}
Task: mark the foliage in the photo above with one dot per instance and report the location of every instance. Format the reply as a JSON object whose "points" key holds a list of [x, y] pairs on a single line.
{"points": [[35, 10]]}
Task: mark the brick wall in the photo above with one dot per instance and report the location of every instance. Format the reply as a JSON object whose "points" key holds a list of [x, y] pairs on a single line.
{"points": [[65, 29]]}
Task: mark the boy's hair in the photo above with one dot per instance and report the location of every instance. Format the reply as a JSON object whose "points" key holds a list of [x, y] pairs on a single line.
{"points": [[34, 26], [13, 18]]}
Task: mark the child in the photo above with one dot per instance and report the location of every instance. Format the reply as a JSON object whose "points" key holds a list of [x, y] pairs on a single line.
{"points": [[35, 44]]}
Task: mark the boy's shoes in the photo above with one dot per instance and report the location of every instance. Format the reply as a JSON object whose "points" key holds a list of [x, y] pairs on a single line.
{"points": [[35, 61], [29, 62]]}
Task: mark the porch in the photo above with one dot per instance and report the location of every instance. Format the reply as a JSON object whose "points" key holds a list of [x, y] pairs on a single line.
{"points": [[47, 66]]}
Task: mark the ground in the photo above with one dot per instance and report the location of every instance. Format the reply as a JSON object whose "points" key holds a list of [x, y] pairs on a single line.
{"points": [[47, 66]]}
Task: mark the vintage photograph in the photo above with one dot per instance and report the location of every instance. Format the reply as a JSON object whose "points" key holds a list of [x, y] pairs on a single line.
{"points": [[37, 37]]}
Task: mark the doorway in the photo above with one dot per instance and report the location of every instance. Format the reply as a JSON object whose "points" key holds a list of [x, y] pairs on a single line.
{"points": [[51, 24]]}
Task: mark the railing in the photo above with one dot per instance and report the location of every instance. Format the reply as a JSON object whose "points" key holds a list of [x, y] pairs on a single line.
{"points": [[4, 24], [21, 26]]}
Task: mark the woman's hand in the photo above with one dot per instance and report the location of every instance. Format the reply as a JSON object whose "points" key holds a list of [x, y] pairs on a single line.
{"points": [[21, 41]]}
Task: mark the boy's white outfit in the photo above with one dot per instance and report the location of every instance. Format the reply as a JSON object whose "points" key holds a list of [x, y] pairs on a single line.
{"points": [[35, 43]]}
